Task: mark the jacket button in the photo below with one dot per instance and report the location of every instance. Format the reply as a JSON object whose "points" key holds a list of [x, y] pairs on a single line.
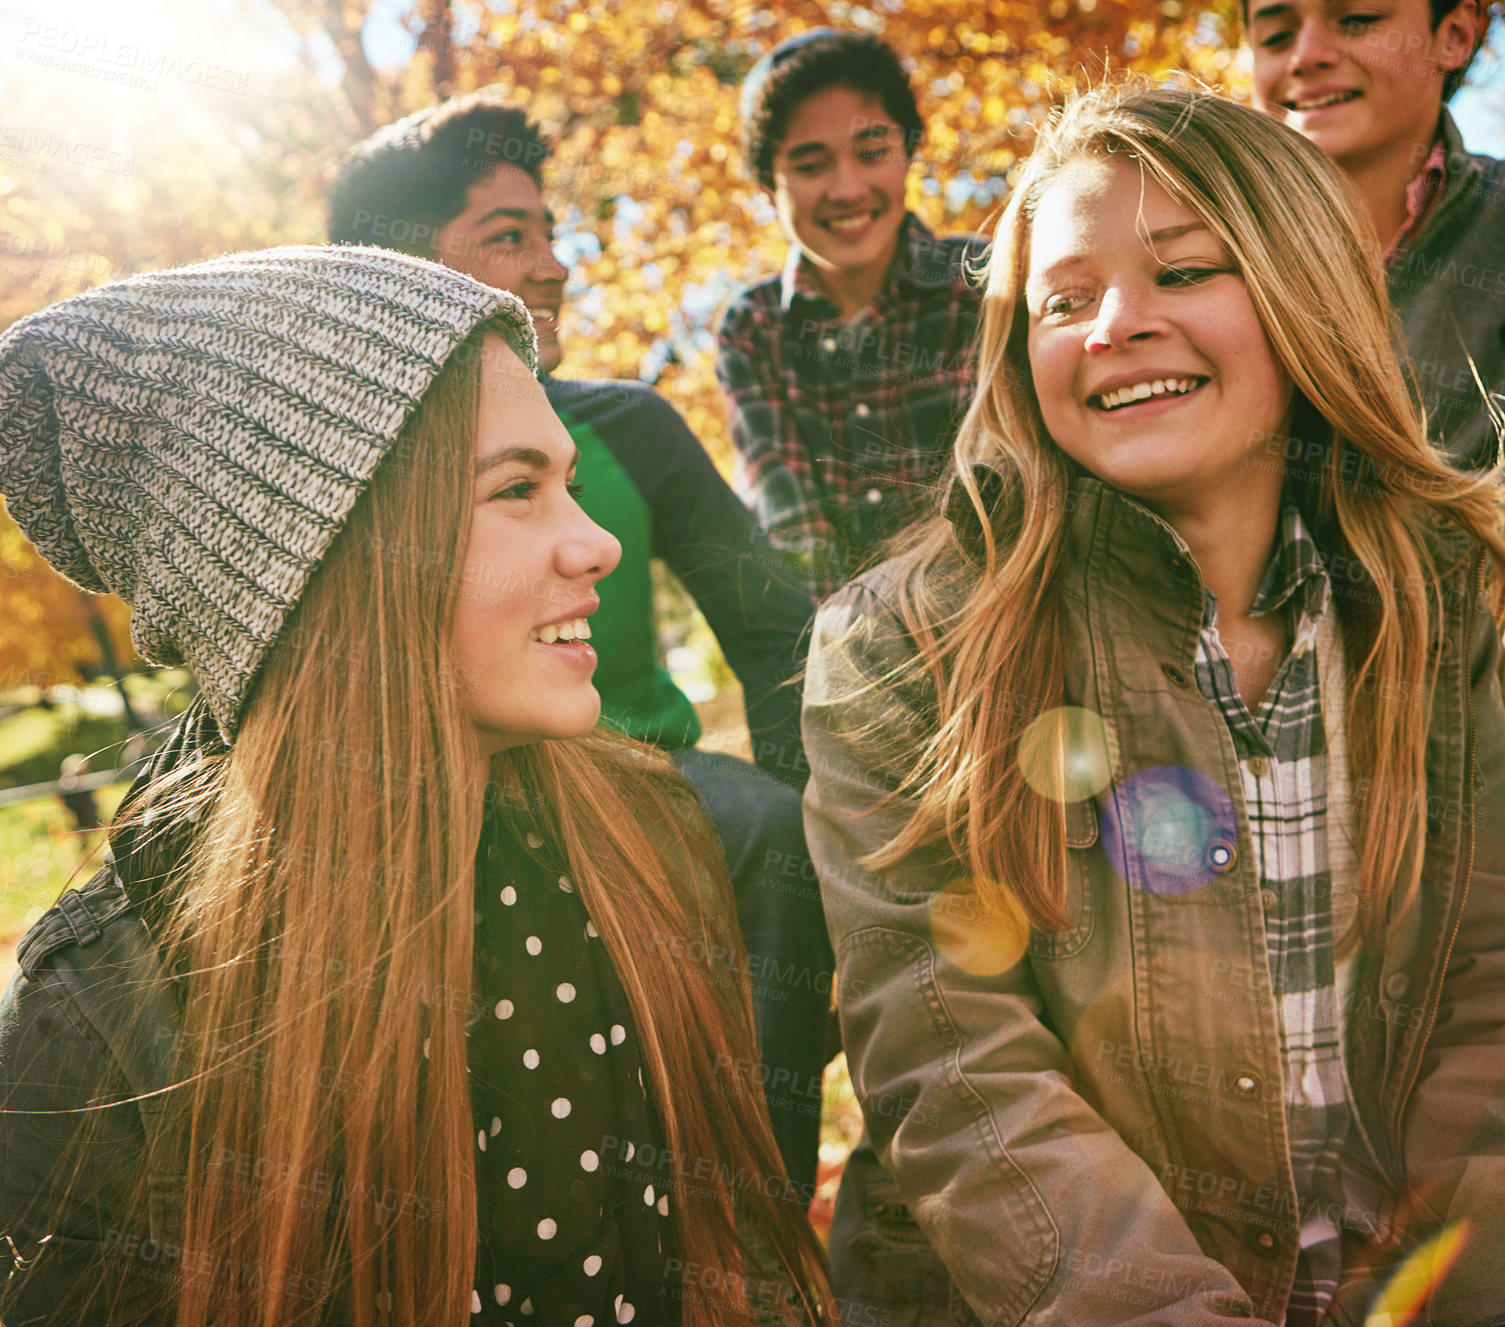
{"points": [[1222, 856], [1258, 766], [1270, 899], [1246, 1085], [1397, 984], [1266, 1245], [1174, 675]]}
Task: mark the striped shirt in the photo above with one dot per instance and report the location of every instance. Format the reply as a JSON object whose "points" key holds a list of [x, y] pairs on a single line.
{"points": [[1282, 748], [841, 427]]}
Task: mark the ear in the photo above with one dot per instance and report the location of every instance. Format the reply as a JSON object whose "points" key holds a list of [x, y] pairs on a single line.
{"points": [[1454, 38]]}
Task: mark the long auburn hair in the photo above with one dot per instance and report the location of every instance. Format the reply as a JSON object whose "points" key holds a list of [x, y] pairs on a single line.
{"points": [[1369, 486], [323, 928]]}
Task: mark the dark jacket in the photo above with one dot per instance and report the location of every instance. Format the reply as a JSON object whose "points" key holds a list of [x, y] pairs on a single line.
{"points": [[1448, 287], [1082, 1133]]}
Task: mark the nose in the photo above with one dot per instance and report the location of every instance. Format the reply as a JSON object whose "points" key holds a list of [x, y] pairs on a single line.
{"points": [[1313, 47], [1123, 315], [586, 552], [847, 183], [543, 265]]}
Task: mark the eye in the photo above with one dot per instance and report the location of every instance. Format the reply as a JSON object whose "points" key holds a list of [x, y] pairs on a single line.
{"points": [[1062, 306], [576, 491], [1275, 39], [1191, 276], [515, 490], [512, 236], [1354, 24]]}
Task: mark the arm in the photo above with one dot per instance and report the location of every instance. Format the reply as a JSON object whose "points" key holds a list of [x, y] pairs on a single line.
{"points": [[758, 608], [1040, 1210], [1455, 1124], [784, 498], [79, 1249]]}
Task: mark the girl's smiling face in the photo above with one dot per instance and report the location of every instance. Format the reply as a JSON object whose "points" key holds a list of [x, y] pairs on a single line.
{"points": [[531, 566], [1150, 364]]}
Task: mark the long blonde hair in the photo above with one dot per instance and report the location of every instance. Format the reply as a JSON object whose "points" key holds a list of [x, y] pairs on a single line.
{"points": [[323, 930], [1367, 485]]}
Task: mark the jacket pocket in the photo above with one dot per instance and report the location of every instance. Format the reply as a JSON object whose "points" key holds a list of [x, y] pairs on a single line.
{"points": [[1081, 845], [884, 1270]]}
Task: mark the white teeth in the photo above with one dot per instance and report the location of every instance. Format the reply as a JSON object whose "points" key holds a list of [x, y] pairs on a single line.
{"points": [[849, 223], [575, 629], [1317, 103], [1142, 391]]}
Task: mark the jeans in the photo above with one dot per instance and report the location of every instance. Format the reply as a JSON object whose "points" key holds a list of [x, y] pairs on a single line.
{"points": [[762, 830]]}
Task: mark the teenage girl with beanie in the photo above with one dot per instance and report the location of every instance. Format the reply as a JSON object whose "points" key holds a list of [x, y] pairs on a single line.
{"points": [[402, 995], [1158, 785]]}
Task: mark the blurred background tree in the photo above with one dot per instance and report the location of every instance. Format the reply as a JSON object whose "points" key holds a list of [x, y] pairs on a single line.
{"points": [[142, 136]]}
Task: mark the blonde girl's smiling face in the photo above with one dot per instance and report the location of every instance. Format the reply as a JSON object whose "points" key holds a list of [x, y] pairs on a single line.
{"points": [[521, 626], [1150, 364]]}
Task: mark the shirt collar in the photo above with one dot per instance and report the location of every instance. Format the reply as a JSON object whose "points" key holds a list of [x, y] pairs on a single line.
{"points": [[1296, 568], [921, 261], [1422, 191]]}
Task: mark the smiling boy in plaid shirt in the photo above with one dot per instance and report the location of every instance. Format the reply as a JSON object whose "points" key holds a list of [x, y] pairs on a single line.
{"points": [[847, 375]]}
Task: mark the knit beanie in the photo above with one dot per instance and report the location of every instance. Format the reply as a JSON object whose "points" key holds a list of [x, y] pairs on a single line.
{"points": [[193, 440]]}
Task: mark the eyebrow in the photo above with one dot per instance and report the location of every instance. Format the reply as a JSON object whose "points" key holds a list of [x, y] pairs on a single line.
{"points": [[1277, 9], [1160, 236], [529, 456]]}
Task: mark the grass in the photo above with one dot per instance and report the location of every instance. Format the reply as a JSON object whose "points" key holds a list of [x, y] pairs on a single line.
{"points": [[41, 854]]}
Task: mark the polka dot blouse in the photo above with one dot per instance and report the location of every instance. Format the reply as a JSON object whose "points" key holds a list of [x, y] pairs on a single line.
{"points": [[571, 1167]]}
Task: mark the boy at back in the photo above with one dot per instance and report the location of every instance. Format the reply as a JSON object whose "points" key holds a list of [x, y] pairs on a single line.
{"points": [[1368, 84], [846, 376]]}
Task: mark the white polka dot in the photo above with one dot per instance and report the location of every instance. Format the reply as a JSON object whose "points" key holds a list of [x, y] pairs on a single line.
{"points": [[475, 1301], [627, 1155], [585, 1320], [566, 884], [589, 1160], [534, 841], [663, 1205], [565, 992], [516, 1177], [481, 1140], [561, 1107], [504, 1008], [648, 1196], [526, 1306], [496, 1125], [503, 1294], [598, 1043], [509, 896], [533, 945], [592, 1264], [530, 1059], [426, 1048], [625, 1311], [546, 1229], [618, 1034], [591, 933]]}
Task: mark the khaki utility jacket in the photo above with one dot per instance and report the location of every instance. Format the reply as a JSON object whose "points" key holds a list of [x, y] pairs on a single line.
{"points": [[1094, 1134]]}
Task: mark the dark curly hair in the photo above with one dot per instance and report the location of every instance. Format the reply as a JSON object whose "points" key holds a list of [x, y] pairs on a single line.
{"points": [[403, 185], [810, 63]]}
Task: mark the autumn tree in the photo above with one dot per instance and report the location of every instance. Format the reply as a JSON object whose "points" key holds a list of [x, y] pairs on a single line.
{"points": [[131, 147]]}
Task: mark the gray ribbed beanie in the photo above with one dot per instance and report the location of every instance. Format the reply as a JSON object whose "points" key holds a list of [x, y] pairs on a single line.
{"points": [[193, 440]]}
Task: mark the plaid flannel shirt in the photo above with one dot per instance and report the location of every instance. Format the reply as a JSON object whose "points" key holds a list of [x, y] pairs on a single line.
{"points": [[842, 428], [1282, 751]]}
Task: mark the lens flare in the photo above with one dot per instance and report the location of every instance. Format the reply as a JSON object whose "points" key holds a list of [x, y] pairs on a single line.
{"points": [[1417, 1277], [1067, 754], [979, 938], [1169, 830]]}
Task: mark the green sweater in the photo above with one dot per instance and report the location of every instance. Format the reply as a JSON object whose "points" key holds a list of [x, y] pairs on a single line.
{"points": [[1448, 286]]}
